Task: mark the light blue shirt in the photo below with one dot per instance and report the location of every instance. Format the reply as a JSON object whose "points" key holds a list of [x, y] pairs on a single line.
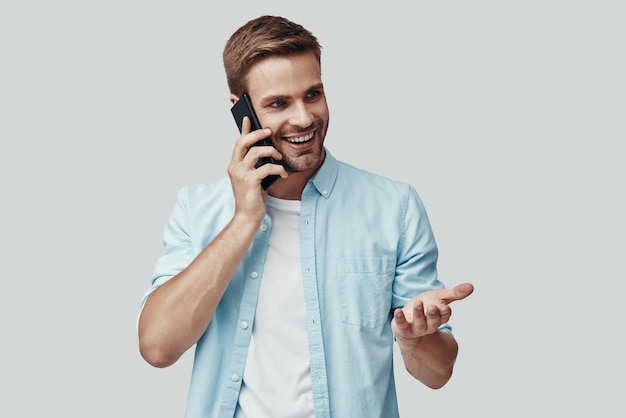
{"points": [[366, 246]]}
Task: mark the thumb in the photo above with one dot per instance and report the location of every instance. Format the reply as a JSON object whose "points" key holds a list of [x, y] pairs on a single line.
{"points": [[463, 290]]}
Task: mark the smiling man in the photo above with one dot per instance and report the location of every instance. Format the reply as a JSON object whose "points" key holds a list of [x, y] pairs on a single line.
{"points": [[288, 97], [294, 296]]}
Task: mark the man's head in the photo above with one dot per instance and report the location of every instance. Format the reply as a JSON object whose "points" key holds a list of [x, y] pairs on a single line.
{"points": [[277, 62], [260, 38]]}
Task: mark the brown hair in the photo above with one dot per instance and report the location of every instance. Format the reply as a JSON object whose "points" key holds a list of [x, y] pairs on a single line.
{"points": [[260, 38]]}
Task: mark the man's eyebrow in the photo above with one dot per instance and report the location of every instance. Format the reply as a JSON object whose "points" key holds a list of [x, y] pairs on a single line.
{"points": [[275, 98], [284, 97]]}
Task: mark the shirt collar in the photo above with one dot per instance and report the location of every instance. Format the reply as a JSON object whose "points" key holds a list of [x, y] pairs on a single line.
{"points": [[324, 179]]}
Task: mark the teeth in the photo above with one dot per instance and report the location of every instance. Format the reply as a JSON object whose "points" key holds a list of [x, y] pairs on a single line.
{"points": [[298, 139]]}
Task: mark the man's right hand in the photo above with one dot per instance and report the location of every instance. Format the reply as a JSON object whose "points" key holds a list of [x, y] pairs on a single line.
{"points": [[246, 180]]}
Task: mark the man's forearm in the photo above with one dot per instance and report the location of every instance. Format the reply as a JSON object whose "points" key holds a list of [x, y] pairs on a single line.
{"points": [[430, 359], [176, 314]]}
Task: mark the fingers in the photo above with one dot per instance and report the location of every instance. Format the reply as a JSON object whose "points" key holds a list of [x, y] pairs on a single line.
{"points": [[426, 312], [242, 168], [417, 322], [402, 327], [246, 141], [246, 125], [440, 314], [434, 316], [398, 316]]}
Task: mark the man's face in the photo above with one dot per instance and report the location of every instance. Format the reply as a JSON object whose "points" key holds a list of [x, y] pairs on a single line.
{"points": [[288, 97]]}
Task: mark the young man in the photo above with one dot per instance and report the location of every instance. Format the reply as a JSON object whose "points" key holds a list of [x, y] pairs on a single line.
{"points": [[294, 296]]}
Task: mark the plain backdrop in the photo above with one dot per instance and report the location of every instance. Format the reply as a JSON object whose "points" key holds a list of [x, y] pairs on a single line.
{"points": [[507, 117]]}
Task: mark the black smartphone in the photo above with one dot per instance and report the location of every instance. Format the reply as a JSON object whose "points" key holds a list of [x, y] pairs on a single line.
{"points": [[244, 108]]}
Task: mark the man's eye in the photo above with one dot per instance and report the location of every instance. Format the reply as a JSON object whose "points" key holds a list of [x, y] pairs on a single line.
{"points": [[278, 103], [313, 94]]}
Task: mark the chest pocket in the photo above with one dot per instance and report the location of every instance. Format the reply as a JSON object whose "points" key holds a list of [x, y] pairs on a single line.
{"points": [[365, 284]]}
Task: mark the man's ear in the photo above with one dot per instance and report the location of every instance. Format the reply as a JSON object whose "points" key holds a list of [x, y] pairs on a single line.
{"points": [[234, 99]]}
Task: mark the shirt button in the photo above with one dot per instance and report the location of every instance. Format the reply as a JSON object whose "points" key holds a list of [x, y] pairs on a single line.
{"points": [[325, 192], [263, 227], [244, 325], [254, 274], [235, 378]]}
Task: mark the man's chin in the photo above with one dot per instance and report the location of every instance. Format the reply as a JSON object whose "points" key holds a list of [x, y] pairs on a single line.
{"points": [[303, 163]]}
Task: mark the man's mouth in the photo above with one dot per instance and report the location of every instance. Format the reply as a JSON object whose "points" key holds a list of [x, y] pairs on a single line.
{"points": [[300, 139]]}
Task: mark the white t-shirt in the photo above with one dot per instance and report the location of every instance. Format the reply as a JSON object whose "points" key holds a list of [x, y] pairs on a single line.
{"points": [[276, 381]]}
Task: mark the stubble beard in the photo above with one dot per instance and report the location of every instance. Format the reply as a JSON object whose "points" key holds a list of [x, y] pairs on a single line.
{"points": [[310, 159]]}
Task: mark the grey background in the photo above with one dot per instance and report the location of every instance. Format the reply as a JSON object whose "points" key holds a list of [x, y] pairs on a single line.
{"points": [[507, 117]]}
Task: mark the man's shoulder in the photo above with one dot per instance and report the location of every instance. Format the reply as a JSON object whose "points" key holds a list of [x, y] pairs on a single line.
{"points": [[356, 175]]}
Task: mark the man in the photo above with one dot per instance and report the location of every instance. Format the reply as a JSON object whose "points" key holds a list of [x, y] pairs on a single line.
{"points": [[294, 296]]}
